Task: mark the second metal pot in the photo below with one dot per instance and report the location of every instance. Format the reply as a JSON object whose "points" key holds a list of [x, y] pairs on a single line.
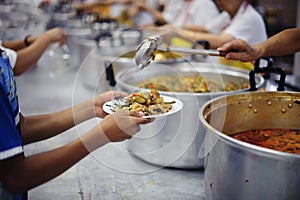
{"points": [[175, 141]]}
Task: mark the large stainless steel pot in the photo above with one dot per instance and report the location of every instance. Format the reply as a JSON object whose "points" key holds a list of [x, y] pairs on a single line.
{"points": [[239, 170], [175, 141], [98, 54], [80, 29]]}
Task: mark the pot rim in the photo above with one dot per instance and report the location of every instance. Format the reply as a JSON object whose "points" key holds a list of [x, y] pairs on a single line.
{"points": [[226, 70], [255, 149]]}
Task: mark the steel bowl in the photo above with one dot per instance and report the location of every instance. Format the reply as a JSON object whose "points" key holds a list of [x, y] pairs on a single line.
{"points": [[239, 170], [175, 141]]}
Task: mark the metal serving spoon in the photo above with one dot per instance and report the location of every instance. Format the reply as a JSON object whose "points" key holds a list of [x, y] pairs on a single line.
{"points": [[145, 53]]}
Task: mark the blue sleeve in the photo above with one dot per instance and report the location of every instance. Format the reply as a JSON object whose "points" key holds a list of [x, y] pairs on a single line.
{"points": [[10, 137]]}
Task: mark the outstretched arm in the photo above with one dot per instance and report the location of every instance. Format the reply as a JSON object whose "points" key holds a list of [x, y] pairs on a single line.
{"points": [[20, 173], [214, 40], [284, 43], [28, 56], [41, 127]]}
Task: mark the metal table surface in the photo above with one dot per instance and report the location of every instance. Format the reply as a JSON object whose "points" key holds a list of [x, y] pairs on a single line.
{"points": [[110, 172]]}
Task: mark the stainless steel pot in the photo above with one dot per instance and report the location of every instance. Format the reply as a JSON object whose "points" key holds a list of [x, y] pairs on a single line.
{"points": [[96, 53], [239, 170], [175, 141]]}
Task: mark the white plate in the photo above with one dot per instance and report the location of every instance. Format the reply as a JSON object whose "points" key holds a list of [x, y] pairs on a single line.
{"points": [[177, 106]]}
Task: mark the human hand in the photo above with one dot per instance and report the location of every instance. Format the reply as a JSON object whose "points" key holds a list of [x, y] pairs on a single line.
{"points": [[240, 50], [56, 35], [104, 97], [122, 125], [125, 2]]}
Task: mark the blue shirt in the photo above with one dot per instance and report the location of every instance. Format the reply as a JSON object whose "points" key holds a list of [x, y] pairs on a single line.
{"points": [[10, 136]]}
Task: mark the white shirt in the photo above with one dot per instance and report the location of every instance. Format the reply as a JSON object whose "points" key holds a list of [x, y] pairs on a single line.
{"points": [[143, 18], [195, 12], [219, 23], [247, 24], [12, 55]]}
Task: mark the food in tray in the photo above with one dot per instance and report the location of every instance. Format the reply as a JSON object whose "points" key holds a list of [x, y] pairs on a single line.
{"points": [[194, 83], [284, 140], [150, 103]]}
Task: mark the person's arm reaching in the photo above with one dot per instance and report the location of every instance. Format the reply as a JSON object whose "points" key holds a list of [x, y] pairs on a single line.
{"points": [[41, 127], [284, 43], [214, 40], [155, 13], [27, 57], [21, 173], [17, 45]]}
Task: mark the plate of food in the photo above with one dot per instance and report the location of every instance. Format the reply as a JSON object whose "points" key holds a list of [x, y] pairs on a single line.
{"points": [[152, 104]]}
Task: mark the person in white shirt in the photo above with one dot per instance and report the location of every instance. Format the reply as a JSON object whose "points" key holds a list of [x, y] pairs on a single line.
{"points": [[238, 20], [182, 12], [190, 12]]}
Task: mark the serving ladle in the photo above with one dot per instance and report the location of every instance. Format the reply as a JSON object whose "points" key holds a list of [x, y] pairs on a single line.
{"points": [[145, 53]]}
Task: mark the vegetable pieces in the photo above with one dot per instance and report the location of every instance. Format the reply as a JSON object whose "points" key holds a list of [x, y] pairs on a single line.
{"points": [[150, 103]]}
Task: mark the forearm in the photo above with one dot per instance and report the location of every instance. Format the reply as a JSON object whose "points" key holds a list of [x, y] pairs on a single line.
{"points": [[195, 28], [214, 40], [25, 173], [283, 43], [17, 44], [90, 5], [41, 127], [156, 14], [29, 56]]}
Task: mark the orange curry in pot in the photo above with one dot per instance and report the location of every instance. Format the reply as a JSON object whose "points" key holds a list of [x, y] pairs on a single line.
{"points": [[285, 140]]}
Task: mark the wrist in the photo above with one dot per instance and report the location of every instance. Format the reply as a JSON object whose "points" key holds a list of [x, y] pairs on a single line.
{"points": [[259, 51], [26, 40], [84, 111], [45, 38], [94, 138]]}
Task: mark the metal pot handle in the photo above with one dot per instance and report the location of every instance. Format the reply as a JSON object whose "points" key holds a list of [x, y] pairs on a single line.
{"points": [[139, 39], [267, 70], [110, 76], [204, 43]]}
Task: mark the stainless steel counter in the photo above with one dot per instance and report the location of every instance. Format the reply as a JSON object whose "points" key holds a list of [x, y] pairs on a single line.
{"points": [[110, 172]]}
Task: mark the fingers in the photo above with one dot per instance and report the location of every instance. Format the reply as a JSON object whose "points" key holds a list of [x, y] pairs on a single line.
{"points": [[137, 118], [143, 120], [126, 123], [237, 56], [136, 114], [235, 45], [120, 125], [238, 50], [104, 97], [118, 94], [111, 95]]}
